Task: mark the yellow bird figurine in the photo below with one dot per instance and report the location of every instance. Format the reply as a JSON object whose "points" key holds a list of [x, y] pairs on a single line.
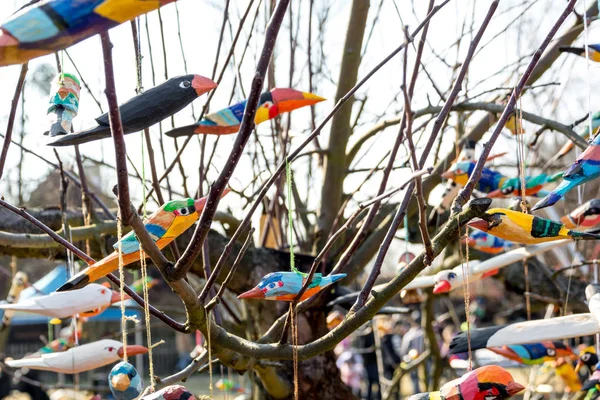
{"points": [[525, 228]]}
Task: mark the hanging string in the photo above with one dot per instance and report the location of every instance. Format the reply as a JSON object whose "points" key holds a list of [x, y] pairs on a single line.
{"points": [[210, 368], [466, 291], [121, 284]]}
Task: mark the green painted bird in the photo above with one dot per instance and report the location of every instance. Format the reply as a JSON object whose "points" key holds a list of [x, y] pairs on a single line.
{"points": [[168, 222], [525, 228]]}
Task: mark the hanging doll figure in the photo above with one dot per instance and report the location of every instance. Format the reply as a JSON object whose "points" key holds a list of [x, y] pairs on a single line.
{"points": [[64, 104]]}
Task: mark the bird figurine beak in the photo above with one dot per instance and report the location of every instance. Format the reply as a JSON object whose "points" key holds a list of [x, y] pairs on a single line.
{"points": [[202, 84], [132, 350], [513, 388], [116, 297], [479, 223], [199, 204], [255, 293], [448, 174], [495, 194], [303, 99], [442, 287]]}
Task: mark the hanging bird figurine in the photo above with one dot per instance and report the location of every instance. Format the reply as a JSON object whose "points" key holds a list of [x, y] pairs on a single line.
{"points": [[124, 381], [484, 383], [45, 27], [79, 359], [227, 121], [461, 172], [586, 168], [64, 104], [146, 109], [286, 285], [533, 185], [87, 302], [583, 217], [525, 228], [173, 392], [593, 51], [487, 243], [585, 134], [534, 353], [164, 225], [587, 358]]}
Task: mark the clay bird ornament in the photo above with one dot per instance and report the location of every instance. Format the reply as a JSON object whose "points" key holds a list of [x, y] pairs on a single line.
{"points": [[164, 225], [485, 383], [586, 168], [585, 216], [146, 109], [593, 52], [173, 392], [550, 329], [271, 104], [48, 26], [286, 285], [124, 381], [534, 353], [533, 185], [79, 359], [524, 228], [87, 302], [64, 104]]}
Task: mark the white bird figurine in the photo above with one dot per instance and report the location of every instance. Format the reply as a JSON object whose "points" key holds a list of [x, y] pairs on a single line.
{"points": [[91, 300], [543, 330], [79, 359]]}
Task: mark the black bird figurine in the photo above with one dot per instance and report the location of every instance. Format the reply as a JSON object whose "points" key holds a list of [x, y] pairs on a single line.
{"points": [[146, 109]]}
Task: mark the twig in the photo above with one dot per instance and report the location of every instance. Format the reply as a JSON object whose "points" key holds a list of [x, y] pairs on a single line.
{"points": [[246, 127], [11, 117]]}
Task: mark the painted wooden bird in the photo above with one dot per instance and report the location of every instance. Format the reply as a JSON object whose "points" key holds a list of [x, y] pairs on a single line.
{"points": [[64, 104], [146, 109], [271, 104], [534, 353], [533, 185], [524, 228], [286, 285], [87, 301], [587, 358], [585, 169], [585, 134], [227, 385], [484, 383], [79, 359], [550, 329], [487, 243], [566, 372], [173, 392], [585, 216], [48, 26], [593, 51], [461, 172], [164, 225], [124, 381]]}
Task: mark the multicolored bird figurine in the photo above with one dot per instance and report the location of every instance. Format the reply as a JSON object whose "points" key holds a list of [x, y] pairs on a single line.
{"points": [[286, 285], [124, 381], [51, 25], [534, 353], [593, 51], [533, 185], [587, 358], [146, 109], [461, 172], [64, 104], [524, 228], [484, 383], [487, 243], [173, 392], [584, 135], [585, 169], [585, 216], [227, 385], [164, 225], [271, 104], [87, 302], [79, 359]]}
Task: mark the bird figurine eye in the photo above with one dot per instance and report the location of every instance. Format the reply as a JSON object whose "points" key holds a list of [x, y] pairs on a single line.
{"points": [[585, 357], [110, 349], [183, 211], [508, 190], [551, 352], [451, 275], [185, 84], [272, 286]]}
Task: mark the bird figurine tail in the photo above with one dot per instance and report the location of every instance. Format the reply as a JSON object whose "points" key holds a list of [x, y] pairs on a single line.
{"points": [[576, 235], [580, 51], [554, 196]]}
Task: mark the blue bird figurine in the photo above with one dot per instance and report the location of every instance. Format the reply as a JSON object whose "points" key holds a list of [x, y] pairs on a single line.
{"points": [[124, 381]]}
